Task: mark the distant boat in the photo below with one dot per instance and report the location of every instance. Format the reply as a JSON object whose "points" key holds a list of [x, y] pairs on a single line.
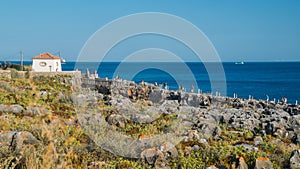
{"points": [[63, 61], [239, 63]]}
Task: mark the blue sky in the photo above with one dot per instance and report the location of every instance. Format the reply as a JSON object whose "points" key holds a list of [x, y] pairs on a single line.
{"points": [[255, 30]]}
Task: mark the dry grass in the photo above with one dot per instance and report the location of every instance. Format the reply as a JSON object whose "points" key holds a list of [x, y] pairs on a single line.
{"points": [[65, 145]]}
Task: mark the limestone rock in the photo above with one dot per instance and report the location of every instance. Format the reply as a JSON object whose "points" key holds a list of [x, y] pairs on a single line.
{"points": [[35, 111], [295, 159], [156, 96], [258, 140], [3, 109], [141, 118], [188, 150], [161, 163], [169, 150], [263, 163], [16, 109], [117, 120], [211, 167], [151, 155], [196, 147], [239, 163], [16, 140], [242, 164]]}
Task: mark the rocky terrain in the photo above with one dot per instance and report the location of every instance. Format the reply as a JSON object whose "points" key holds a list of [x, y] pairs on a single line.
{"points": [[50, 122]]}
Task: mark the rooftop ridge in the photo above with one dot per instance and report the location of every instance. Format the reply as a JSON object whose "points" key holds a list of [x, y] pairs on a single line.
{"points": [[46, 55]]}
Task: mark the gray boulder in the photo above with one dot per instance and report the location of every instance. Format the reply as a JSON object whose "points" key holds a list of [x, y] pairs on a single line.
{"points": [[258, 140], [3, 109], [193, 100], [208, 129], [141, 118], [263, 163], [151, 155], [23, 138], [117, 120], [295, 160], [239, 163], [16, 109], [169, 150], [156, 96], [16, 140], [196, 148], [242, 164], [35, 111]]}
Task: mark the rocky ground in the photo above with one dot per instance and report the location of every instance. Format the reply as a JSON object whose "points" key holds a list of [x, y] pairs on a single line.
{"points": [[43, 125]]}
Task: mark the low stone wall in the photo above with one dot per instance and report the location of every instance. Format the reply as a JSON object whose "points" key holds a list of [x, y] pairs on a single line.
{"points": [[26, 74], [5, 73], [76, 74]]}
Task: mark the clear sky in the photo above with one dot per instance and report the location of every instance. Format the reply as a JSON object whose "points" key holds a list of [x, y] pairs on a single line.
{"points": [[252, 30]]}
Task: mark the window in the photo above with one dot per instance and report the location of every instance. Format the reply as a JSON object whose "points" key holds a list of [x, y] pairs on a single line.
{"points": [[43, 64]]}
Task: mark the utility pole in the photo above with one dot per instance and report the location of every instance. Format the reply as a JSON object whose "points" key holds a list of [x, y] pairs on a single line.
{"points": [[22, 66]]}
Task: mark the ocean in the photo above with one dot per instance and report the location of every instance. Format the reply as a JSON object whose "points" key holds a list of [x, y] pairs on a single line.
{"points": [[261, 80]]}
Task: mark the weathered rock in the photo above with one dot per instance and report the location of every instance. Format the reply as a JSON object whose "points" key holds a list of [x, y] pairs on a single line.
{"points": [[208, 129], [211, 167], [141, 118], [24, 137], [194, 101], [247, 147], [242, 164], [96, 164], [188, 150], [169, 106], [151, 155], [242, 119], [3, 109], [161, 163], [216, 167], [16, 140], [239, 163], [196, 147], [16, 109], [258, 140], [192, 135], [295, 160], [203, 143], [117, 120], [174, 96], [6, 138], [263, 163], [35, 111], [169, 150]]}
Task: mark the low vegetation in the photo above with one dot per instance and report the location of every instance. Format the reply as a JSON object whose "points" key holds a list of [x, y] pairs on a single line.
{"points": [[64, 144]]}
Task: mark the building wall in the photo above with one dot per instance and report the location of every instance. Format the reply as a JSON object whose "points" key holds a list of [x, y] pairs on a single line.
{"points": [[43, 65]]}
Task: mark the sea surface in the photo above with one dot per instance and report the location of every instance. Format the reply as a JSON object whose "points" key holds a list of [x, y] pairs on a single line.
{"points": [[261, 80]]}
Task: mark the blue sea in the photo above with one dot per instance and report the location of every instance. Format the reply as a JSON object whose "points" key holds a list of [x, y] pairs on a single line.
{"points": [[258, 79]]}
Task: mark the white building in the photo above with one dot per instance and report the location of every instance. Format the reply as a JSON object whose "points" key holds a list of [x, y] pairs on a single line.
{"points": [[46, 62]]}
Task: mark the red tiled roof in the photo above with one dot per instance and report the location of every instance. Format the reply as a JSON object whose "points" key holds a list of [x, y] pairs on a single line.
{"points": [[46, 56]]}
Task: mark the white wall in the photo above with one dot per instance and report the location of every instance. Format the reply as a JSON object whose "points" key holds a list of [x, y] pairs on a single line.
{"points": [[55, 64]]}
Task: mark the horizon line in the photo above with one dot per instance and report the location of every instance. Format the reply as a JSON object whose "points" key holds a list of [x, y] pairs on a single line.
{"points": [[251, 61]]}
